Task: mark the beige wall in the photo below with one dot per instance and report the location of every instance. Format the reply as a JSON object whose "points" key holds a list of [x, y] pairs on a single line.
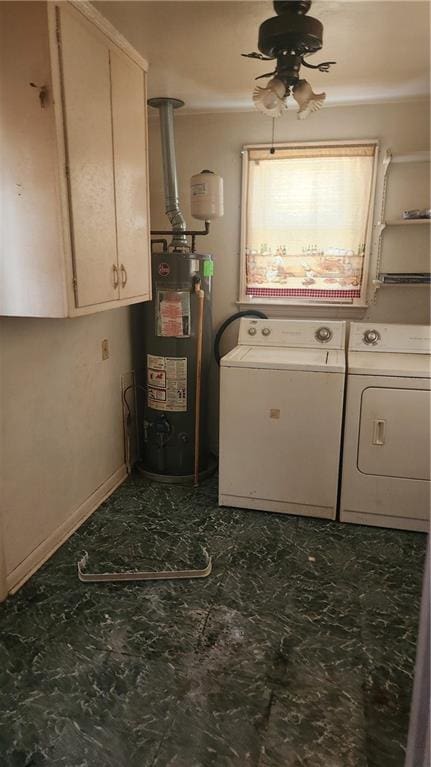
{"points": [[215, 141], [61, 419]]}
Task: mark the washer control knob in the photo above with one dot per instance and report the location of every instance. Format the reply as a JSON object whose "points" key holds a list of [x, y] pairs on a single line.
{"points": [[371, 337], [323, 335], [252, 331], [266, 331]]}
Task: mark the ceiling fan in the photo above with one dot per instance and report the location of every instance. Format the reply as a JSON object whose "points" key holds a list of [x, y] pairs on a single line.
{"points": [[289, 38]]}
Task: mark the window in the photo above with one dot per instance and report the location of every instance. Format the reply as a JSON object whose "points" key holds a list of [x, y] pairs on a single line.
{"points": [[306, 222]]}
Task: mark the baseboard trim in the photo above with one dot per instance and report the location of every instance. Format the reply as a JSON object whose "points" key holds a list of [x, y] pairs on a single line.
{"points": [[45, 550], [279, 507], [383, 520]]}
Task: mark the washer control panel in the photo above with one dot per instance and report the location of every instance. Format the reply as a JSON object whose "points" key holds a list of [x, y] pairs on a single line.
{"points": [[406, 339], [305, 334]]}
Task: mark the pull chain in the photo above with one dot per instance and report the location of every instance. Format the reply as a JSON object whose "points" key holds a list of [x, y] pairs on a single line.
{"points": [[272, 150]]}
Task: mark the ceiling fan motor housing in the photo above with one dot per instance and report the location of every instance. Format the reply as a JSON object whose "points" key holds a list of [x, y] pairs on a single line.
{"points": [[290, 32], [292, 6]]}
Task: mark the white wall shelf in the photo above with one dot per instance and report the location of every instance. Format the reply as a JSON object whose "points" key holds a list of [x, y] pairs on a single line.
{"points": [[380, 284], [384, 278], [407, 221], [413, 157], [413, 279]]}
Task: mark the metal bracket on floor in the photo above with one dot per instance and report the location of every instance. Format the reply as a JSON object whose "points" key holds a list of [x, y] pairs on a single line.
{"points": [[161, 575]]}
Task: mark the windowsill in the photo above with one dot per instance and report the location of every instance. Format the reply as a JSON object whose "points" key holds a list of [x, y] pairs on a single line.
{"points": [[277, 308]]}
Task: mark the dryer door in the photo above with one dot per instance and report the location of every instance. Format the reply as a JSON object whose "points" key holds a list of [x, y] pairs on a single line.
{"points": [[394, 438]]}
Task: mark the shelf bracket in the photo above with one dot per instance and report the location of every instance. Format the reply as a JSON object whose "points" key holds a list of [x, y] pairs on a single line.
{"points": [[381, 225], [386, 162]]}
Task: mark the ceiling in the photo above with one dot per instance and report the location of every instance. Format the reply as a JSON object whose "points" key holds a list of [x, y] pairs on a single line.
{"points": [[193, 48]]}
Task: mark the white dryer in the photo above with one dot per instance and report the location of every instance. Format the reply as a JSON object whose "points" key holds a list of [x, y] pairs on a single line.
{"points": [[281, 404], [386, 457]]}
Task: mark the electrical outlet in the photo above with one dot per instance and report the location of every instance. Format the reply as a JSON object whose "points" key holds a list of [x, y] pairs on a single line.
{"points": [[105, 349]]}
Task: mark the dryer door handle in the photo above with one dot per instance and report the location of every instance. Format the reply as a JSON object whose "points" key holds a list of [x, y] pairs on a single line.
{"points": [[379, 428]]}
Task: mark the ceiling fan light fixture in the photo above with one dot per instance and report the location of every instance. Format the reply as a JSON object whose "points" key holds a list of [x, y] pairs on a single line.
{"points": [[307, 100], [271, 99], [289, 38]]}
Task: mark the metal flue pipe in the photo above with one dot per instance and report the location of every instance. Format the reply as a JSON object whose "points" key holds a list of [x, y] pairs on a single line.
{"points": [[166, 108]]}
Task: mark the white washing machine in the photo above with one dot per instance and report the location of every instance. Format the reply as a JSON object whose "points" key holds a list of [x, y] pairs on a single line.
{"points": [[386, 457], [281, 405]]}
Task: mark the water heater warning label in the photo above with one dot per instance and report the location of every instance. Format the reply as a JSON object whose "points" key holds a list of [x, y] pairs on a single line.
{"points": [[167, 383], [157, 378], [173, 313]]}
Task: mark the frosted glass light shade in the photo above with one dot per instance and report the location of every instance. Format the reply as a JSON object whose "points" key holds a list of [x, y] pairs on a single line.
{"points": [[308, 100], [271, 100]]}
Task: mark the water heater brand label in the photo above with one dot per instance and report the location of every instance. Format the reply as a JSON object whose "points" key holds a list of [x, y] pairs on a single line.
{"points": [[167, 383], [164, 269]]}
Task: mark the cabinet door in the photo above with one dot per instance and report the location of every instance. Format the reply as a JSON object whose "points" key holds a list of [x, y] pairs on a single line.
{"points": [[88, 132], [131, 175]]}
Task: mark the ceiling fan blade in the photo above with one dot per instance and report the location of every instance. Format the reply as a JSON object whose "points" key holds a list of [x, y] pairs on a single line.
{"points": [[257, 56], [323, 67], [268, 74]]}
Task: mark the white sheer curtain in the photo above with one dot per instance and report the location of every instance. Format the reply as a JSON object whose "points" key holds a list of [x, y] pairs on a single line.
{"points": [[306, 219]]}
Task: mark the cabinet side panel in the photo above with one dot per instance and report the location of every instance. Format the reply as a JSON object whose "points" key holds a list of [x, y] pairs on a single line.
{"points": [[88, 124], [131, 176], [32, 278]]}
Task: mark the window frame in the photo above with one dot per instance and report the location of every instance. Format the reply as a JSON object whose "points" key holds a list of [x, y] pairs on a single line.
{"points": [[354, 303]]}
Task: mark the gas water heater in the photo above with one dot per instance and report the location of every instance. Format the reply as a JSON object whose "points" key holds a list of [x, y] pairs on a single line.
{"points": [[178, 325]]}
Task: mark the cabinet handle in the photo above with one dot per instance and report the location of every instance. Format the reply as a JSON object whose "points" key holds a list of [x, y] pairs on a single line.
{"points": [[123, 276], [115, 275], [379, 432]]}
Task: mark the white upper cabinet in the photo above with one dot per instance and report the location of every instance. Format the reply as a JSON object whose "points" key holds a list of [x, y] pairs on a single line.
{"points": [[131, 187], [74, 187], [86, 92]]}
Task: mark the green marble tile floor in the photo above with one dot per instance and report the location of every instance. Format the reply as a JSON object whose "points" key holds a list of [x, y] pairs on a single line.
{"points": [[298, 650]]}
